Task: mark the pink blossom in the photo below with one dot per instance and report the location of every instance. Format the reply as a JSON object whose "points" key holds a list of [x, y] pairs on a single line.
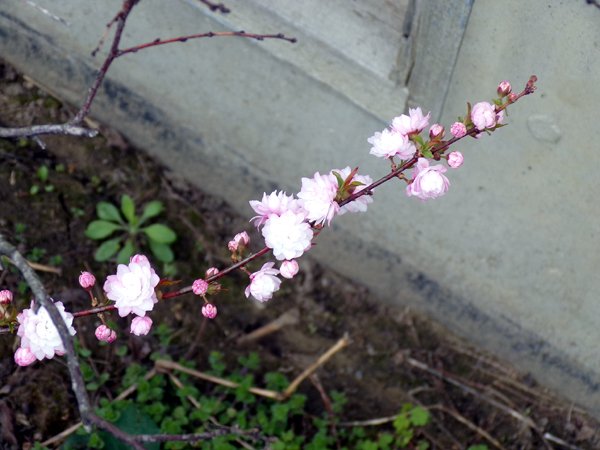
{"points": [[275, 203], [360, 204], [39, 334], [209, 311], [483, 115], [504, 88], [458, 129], [414, 123], [105, 334], [390, 143], [289, 235], [428, 182], [436, 131], [317, 196], [199, 287], [263, 283], [140, 326], [289, 269], [132, 288], [24, 357], [455, 159], [211, 272], [239, 240], [87, 280], [6, 297]]}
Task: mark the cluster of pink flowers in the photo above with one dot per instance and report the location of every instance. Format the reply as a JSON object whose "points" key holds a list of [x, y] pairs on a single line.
{"points": [[288, 222], [39, 336], [132, 290]]}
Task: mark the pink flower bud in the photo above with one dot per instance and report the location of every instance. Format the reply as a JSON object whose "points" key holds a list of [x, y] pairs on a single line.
{"points": [[24, 357], [87, 280], [240, 239], [458, 129], [212, 272], [139, 259], [512, 97], [504, 88], [436, 131], [6, 297], [200, 286], [105, 334], [140, 326], [209, 311], [289, 268], [455, 159]]}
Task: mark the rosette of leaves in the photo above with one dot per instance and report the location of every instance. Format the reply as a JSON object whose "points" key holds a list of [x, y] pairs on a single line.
{"points": [[124, 232]]}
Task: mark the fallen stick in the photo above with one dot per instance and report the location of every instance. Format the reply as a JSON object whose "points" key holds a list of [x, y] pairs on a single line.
{"points": [[290, 317], [510, 411], [163, 364]]}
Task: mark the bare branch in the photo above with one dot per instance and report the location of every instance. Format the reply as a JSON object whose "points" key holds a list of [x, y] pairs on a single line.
{"points": [[66, 129]]}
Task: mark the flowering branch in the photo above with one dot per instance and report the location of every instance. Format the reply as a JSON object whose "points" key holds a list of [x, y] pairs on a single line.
{"points": [[320, 200], [75, 126]]}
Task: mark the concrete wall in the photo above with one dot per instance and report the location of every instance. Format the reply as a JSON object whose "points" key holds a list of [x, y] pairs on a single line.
{"points": [[507, 258]]}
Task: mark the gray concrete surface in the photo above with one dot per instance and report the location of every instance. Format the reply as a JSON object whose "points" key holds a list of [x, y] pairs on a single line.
{"points": [[508, 258]]}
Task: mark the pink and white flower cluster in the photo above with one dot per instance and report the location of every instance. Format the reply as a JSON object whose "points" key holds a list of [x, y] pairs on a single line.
{"points": [[395, 140], [39, 336], [288, 223]]}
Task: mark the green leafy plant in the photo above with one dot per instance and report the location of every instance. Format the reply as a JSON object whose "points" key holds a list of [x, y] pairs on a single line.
{"points": [[132, 231], [159, 406]]}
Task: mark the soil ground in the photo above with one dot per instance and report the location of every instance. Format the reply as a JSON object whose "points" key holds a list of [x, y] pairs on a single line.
{"points": [[395, 356]]}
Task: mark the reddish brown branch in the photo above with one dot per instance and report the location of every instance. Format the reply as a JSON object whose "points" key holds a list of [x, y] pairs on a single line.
{"points": [[210, 34]]}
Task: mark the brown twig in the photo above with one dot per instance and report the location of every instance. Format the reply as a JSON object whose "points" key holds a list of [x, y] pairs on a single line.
{"points": [[209, 34], [45, 268], [163, 364], [451, 380], [339, 345], [166, 365], [290, 317], [466, 422]]}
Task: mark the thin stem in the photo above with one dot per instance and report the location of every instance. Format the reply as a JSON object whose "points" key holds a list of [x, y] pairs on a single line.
{"points": [[210, 34], [221, 274], [121, 19]]}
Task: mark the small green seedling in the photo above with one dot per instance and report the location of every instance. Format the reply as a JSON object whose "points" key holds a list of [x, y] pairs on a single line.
{"points": [[42, 175], [132, 231]]}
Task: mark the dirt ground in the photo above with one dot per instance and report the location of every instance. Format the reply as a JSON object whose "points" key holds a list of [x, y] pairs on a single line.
{"points": [[395, 355]]}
